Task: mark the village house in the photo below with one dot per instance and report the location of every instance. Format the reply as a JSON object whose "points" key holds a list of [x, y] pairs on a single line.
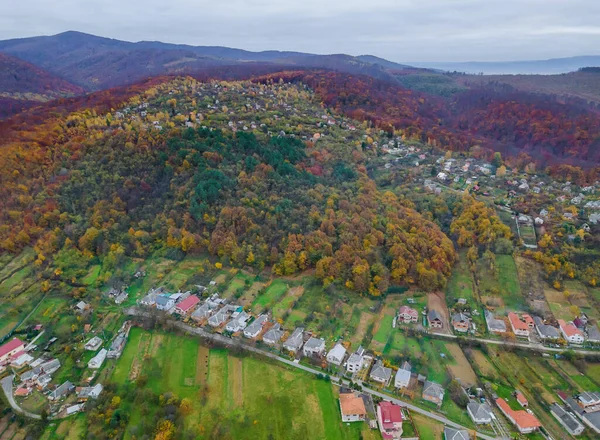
{"points": [[480, 413], [584, 408], [150, 299], [43, 381], [82, 307], [336, 355], [461, 322], [352, 408], [295, 341], [117, 345], [435, 319], [86, 393], [73, 409], [402, 379], [519, 327], [455, 434], [20, 359], [521, 399], [433, 392], [202, 312], [589, 399], [93, 344], [254, 329], [10, 349], [494, 325], [273, 335], [545, 331], [381, 374], [407, 315], [571, 333], [61, 391], [50, 367], [238, 322], [97, 361], [593, 334], [221, 316], [186, 306], [566, 419], [164, 302], [355, 361], [389, 418], [314, 347], [524, 421]]}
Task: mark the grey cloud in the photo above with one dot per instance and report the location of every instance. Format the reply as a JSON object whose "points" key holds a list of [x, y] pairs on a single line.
{"points": [[400, 30]]}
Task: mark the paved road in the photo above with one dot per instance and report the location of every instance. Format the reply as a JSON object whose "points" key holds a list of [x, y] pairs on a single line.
{"points": [[7, 387], [239, 343], [524, 345]]}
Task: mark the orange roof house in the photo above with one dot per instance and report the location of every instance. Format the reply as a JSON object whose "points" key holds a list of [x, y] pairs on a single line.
{"points": [[519, 328], [521, 399], [352, 408], [523, 421]]}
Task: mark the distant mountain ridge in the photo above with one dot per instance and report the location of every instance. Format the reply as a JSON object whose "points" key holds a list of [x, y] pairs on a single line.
{"points": [[96, 62]]}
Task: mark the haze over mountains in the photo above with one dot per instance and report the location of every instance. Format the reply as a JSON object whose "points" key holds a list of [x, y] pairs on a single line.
{"points": [[95, 63], [539, 67]]}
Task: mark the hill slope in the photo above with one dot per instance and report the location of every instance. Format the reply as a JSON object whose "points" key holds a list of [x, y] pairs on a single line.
{"points": [[19, 77], [257, 174]]}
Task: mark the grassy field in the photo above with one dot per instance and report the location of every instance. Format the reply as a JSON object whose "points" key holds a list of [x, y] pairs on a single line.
{"points": [[428, 428], [503, 283], [460, 284], [245, 397], [269, 298]]}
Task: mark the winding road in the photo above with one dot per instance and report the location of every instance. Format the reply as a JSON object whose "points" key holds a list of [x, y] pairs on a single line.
{"points": [[7, 387]]}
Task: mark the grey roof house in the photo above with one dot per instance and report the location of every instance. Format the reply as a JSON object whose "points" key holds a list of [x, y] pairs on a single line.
{"points": [[433, 392], [545, 331], [294, 342], [567, 419], [314, 346], [238, 323], [61, 391], [455, 434], [381, 374], [253, 330], [494, 325], [273, 335], [480, 413], [435, 319]]}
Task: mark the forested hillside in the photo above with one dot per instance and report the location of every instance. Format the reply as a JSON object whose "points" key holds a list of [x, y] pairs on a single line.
{"points": [[256, 174], [492, 118]]}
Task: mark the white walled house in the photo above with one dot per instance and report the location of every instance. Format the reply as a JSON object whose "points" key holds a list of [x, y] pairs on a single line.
{"points": [[336, 355]]}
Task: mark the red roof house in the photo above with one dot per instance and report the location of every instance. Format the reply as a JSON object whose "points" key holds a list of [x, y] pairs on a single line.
{"points": [[20, 392], [186, 306], [11, 348], [408, 314], [523, 420], [521, 399], [528, 320], [389, 417], [571, 333], [519, 328]]}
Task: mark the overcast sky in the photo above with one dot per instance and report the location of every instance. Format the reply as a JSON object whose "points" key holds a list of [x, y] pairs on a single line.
{"points": [[399, 30]]}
